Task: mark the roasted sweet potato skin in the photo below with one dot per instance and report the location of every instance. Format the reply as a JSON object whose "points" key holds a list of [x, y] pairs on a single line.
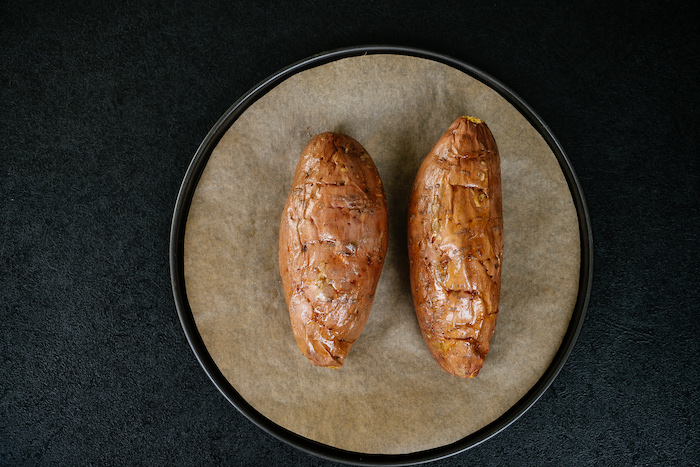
{"points": [[332, 244], [455, 246]]}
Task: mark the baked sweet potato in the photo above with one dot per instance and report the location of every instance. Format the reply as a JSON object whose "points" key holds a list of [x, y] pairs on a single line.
{"points": [[455, 245], [332, 243]]}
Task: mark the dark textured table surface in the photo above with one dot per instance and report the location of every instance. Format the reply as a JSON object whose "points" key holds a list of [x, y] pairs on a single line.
{"points": [[103, 106]]}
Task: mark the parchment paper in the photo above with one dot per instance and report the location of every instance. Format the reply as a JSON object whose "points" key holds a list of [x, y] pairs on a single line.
{"points": [[390, 396]]}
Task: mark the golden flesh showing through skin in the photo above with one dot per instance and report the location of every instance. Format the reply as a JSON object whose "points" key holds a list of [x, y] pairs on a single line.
{"points": [[455, 242], [332, 244]]}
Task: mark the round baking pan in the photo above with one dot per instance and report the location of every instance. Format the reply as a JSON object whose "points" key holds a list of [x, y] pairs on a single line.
{"points": [[177, 265]]}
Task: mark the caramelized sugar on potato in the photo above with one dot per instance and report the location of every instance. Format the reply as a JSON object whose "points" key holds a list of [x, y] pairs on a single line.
{"points": [[455, 243], [332, 243]]}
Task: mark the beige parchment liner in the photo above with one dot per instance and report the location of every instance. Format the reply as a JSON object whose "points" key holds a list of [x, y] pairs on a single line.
{"points": [[390, 396]]}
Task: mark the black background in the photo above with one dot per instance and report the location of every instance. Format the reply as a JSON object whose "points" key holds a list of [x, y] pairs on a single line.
{"points": [[103, 105]]}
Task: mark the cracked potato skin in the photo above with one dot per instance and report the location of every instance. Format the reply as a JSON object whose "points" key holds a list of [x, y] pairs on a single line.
{"points": [[332, 244], [455, 245]]}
